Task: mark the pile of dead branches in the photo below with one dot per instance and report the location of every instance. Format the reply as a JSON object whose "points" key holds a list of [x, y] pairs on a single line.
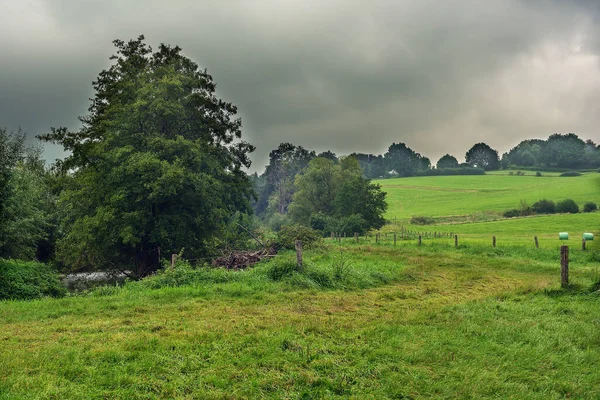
{"points": [[240, 259]]}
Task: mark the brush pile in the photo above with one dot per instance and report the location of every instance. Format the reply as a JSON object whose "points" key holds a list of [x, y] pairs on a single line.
{"points": [[240, 259]]}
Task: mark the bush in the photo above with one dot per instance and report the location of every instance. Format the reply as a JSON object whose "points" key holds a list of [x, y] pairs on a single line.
{"points": [[288, 235], [320, 222], [354, 223], [590, 206], [570, 173], [538, 173], [512, 213], [418, 220], [544, 207], [567, 206], [21, 280], [520, 173], [525, 209]]}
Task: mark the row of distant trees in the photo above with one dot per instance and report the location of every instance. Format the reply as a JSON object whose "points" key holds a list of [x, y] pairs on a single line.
{"points": [[288, 164]]}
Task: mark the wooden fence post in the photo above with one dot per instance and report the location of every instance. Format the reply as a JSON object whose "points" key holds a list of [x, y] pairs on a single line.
{"points": [[583, 244], [173, 260], [537, 244], [564, 266], [455, 240], [356, 236], [394, 238], [332, 235], [299, 253], [377, 237], [494, 241], [419, 240]]}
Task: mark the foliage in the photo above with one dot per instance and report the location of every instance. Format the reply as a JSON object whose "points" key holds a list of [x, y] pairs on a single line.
{"points": [[590, 206], [538, 173], [329, 196], [483, 156], [567, 206], [25, 202], [22, 280], [421, 220], [287, 236], [157, 166], [544, 207], [277, 189], [351, 224], [512, 213], [404, 160], [563, 151], [570, 173], [447, 161]]}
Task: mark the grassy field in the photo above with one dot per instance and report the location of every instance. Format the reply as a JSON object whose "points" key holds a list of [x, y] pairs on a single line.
{"points": [[442, 196], [360, 320], [398, 322]]}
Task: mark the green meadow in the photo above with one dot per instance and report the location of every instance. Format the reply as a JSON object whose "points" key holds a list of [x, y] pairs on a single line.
{"points": [[443, 196], [358, 320]]}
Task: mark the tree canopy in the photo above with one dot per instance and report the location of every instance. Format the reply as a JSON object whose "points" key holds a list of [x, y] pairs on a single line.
{"points": [[447, 161], [157, 165], [337, 195], [483, 156]]}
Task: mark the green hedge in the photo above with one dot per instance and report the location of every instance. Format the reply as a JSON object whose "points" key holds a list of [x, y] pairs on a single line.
{"points": [[24, 280]]}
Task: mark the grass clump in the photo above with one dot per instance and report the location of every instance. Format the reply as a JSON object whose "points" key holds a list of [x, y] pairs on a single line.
{"points": [[23, 280]]}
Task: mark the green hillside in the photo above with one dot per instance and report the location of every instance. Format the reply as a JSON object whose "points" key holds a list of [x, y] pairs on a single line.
{"points": [[462, 195]]}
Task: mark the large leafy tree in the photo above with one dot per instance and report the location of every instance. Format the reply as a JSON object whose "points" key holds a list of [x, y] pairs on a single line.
{"points": [[157, 165], [566, 151], [285, 162], [25, 201], [337, 191], [483, 156], [404, 160], [447, 161]]}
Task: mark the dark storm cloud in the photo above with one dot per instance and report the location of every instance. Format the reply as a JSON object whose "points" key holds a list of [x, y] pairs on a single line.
{"points": [[341, 75]]}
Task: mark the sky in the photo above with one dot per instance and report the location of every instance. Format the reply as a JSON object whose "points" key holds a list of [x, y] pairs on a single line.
{"points": [[344, 75]]}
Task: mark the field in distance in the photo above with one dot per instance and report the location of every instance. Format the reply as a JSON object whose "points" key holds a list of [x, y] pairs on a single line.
{"points": [[440, 196]]}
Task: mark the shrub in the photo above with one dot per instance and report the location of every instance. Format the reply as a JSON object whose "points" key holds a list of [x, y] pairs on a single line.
{"points": [[22, 280], [520, 173], [567, 206], [419, 220], [320, 222], [544, 207], [570, 173], [288, 235], [354, 223], [590, 206], [538, 173], [512, 213], [525, 209]]}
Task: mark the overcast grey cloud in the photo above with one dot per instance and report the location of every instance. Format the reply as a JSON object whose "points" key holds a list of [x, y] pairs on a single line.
{"points": [[343, 75]]}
